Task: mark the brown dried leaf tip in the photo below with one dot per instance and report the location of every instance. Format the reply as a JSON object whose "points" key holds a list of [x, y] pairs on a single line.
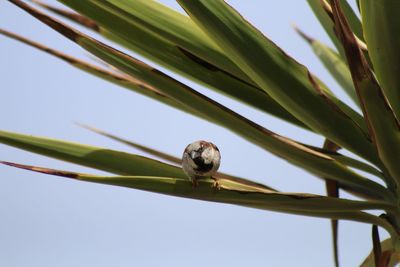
{"points": [[42, 170]]}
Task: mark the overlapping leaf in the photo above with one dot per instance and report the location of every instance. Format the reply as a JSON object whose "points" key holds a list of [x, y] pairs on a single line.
{"points": [[313, 161], [105, 159], [166, 47], [350, 162], [106, 74], [284, 79], [218, 48]]}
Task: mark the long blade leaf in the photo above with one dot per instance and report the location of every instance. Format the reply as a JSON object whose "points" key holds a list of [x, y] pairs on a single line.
{"points": [[313, 161], [113, 77], [105, 159], [159, 20], [113, 25], [99, 158], [284, 79], [227, 192]]}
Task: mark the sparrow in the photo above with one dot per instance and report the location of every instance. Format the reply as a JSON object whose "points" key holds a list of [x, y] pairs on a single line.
{"points": [[201, 159]]}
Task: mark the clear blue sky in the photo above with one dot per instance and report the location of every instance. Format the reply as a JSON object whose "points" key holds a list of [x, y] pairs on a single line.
{"points": [[48, 221]]}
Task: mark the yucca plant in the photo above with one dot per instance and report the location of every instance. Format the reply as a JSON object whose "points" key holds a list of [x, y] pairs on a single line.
{"points": [[214, 46]]}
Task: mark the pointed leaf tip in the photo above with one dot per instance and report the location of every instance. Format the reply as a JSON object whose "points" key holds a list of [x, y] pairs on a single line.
{"points": [[73, 16], [41, 170], [67, 32], [302, 34]]}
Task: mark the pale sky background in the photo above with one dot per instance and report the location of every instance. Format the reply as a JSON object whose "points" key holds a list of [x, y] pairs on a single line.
{"points": [[50, 221]]}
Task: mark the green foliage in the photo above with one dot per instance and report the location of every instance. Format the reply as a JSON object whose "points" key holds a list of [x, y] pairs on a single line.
{"points": [[215, 46]]}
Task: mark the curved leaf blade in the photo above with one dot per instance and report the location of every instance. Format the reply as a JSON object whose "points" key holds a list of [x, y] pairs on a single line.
{"points": [[284, 79], [223, 191], [106, 159], [161, 21], [174, 56], [116, 78], [99, 158], [129, 164]]}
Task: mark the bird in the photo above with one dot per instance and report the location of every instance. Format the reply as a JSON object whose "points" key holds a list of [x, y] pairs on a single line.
{"points": [[201, 159]]}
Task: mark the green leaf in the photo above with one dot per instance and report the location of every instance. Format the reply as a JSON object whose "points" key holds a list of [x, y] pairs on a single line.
{"points": [[76, 17], [383, 124], [296, 153], [99, 158], [334, 64], [159, 20], [173, 55], [106, 74], [284, 79], [381, 19], [225, 191], [359, 165], [107, 160], [103, 159]]}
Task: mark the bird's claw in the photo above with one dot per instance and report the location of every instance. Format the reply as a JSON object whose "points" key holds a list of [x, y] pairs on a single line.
{"points": [[216, 184], [195, 183]]}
